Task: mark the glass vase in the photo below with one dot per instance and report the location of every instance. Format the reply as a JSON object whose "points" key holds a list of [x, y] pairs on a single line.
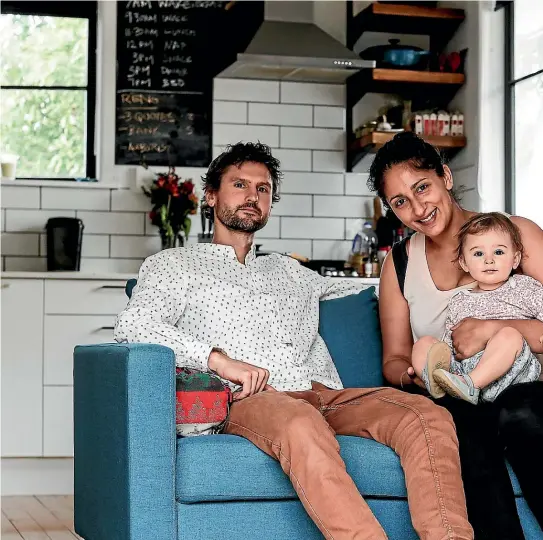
{"points": [[169, 242]]}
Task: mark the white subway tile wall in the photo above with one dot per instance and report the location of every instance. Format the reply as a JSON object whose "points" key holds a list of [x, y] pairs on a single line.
{"points": [[320, 208]]}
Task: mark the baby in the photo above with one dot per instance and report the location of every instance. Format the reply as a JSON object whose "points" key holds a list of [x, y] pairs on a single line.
{"points": [[489, 248]]}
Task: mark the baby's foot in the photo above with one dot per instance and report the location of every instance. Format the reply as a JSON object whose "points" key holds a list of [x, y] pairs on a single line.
{"points": [[439, 357], [459, 386]]}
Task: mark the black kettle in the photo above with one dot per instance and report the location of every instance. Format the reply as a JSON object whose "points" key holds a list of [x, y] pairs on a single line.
{"points": [[64, 242]]}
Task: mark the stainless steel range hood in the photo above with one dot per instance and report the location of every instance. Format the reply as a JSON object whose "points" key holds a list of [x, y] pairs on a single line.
{"points": [[295, 51]]}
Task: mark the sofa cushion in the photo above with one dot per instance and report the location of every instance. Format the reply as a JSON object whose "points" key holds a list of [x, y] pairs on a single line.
{"points": [[351, 331], [230, 468]]}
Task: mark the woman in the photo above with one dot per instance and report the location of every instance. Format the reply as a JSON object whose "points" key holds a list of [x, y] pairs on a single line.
{"points": [[411, 179]]}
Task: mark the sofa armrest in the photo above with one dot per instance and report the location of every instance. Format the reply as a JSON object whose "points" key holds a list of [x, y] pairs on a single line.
{"points": [[124, 442]]}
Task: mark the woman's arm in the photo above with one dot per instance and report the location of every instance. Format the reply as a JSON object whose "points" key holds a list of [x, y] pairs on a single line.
{"points": [[471, 335], [532, 240], [531, 265], [395, 327]]}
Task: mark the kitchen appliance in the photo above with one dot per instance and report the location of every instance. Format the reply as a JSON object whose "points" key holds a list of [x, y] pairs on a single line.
{"points": [[206, 236], [396, 55], [289, 46], [64, 241], [329, 268]]}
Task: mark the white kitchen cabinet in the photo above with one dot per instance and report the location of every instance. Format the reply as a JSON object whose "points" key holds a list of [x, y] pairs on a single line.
{"points": [[62, 334], [43, 319], [84, 297], [22, 367], [58, 429]]}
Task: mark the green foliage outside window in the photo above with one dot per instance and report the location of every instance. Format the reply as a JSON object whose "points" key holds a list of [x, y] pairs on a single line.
{"points": [[45, 127]]}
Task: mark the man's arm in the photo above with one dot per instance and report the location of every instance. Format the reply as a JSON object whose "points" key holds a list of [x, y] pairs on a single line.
{"points": [[328, 289], [157, 303], [338, 289]]}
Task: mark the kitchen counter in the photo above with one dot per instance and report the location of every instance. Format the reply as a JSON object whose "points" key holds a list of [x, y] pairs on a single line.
{"points": [[124, 277], [67, 275], [365, 281]]}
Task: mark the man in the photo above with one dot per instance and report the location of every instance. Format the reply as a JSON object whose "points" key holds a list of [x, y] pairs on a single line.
{"points": [[254, 322]]}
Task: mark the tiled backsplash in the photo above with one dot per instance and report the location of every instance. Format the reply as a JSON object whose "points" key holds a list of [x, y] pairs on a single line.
{"points": [[316, 217]]}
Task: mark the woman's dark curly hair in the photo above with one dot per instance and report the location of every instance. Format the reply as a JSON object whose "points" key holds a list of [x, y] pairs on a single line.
{"points": [[407, 148], [238, 154]]}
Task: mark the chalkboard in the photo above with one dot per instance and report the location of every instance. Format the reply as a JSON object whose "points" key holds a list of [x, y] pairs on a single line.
{"points": [[166, 62]]}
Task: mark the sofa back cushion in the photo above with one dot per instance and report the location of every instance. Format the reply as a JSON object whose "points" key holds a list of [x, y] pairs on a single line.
{"points": [[350, 329], [129, 287]]}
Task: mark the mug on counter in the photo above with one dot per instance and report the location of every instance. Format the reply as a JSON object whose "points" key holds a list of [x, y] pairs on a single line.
{"points": [[8, 166]]}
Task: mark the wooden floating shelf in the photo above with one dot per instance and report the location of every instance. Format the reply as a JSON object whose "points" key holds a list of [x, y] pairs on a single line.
{"points": [[416, 12], [421, 87], [379, 138], [375, 140], [438, 23], [405, 82], [422, 77]]}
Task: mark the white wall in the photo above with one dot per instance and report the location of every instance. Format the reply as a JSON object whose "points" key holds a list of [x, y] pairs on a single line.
{"points": [[317, 216], [491, 102], [303, 123], [480, 168]]}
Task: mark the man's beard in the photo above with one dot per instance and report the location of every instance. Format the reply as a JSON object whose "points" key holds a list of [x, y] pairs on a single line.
{"points": [[233, 221]]}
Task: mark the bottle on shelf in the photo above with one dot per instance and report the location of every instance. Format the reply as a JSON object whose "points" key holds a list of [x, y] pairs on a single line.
{"points": [[364, 242], [371, 237], [399, 235], [381, 254], [375, 265], [368, 267]]}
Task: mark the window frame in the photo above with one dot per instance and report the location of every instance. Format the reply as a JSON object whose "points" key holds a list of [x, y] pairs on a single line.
{"points": [[77, 10], [509, 94]]}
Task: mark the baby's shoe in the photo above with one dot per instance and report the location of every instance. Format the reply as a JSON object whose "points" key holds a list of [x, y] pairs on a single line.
{"points": [[439, 357], [457, 386]]}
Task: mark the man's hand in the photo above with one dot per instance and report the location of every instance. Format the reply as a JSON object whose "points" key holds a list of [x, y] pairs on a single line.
{"points": [[252, 378], [470, 336]]}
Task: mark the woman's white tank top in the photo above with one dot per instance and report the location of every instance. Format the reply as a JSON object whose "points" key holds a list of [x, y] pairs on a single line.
{"points": [[427, 304]]}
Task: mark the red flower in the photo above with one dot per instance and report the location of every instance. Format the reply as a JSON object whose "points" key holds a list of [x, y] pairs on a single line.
{"points": [[187, 187]]}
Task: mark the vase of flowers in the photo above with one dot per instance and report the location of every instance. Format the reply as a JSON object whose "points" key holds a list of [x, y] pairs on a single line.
{"points": [[173, 201]]}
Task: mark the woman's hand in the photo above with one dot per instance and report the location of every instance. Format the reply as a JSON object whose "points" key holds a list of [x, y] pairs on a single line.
{"points": [[414, 378], [470, 336]]}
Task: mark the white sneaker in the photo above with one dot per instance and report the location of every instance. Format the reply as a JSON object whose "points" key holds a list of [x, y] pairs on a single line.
{"points": [[457, 386]]}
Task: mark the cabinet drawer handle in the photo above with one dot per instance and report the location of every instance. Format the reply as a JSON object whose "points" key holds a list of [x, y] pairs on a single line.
{"points": [[106, 328], [112, 287], [5, 285]]}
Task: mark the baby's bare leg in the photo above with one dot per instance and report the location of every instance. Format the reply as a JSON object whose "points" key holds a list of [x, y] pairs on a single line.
{"points": [[500, 353], [420, 353]]}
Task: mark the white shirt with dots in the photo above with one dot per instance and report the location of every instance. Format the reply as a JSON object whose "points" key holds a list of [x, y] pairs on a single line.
{"points": [[264, 312]]}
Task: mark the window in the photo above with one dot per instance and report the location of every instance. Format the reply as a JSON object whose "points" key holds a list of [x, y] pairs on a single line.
{"points": [[47, 80], [524, 108]]}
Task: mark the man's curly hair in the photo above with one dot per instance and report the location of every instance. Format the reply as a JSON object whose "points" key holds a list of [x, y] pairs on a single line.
{"points": [[238, 154]]}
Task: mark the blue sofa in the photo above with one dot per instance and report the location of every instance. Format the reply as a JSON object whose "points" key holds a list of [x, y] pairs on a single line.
{"points": [[135, 480]]}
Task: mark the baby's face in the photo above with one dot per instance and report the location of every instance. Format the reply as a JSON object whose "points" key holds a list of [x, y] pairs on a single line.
{"points": [[489, 258]]}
